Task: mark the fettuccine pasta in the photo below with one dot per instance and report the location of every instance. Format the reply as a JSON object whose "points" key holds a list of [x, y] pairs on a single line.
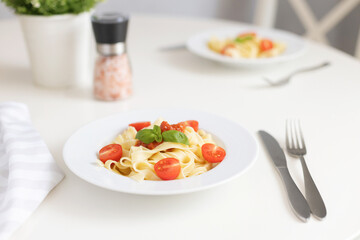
{"points": [[139, 162], [246, 45]]}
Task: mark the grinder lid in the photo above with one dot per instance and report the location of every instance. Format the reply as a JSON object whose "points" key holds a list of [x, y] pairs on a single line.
{"points": [[110, 27]]}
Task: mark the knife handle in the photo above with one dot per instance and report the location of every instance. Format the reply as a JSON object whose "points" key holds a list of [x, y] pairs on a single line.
{"points": [[316, 203], [297, 200]]}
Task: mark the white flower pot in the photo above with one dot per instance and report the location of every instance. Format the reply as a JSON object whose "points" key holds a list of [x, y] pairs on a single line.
{"points": [[59, 48]]}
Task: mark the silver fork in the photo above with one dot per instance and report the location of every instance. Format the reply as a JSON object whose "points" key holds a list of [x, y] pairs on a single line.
{"points": [[295, 146], [284, 80]]}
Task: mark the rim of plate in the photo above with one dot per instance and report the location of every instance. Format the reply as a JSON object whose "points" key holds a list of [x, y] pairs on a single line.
{"points": [[197, 44], [173, 187]]}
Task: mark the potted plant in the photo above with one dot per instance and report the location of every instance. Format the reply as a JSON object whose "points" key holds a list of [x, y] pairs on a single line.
{"points": [[58, 39]]}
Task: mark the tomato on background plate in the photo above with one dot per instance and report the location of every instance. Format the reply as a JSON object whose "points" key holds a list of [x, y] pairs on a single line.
{"points": [[140, 125], [212, 153], [266, 45], [167, 168], [226, 48], [110, 152]]}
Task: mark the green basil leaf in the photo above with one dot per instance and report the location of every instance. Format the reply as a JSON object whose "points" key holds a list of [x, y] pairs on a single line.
{"points": [[157, 132], [243, 39], [175, 136], [149, 135], [146, 135]]}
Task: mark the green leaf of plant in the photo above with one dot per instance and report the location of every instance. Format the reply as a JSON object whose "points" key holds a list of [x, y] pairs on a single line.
{"points": [[175, 136], [146, 136], [50, 7]]}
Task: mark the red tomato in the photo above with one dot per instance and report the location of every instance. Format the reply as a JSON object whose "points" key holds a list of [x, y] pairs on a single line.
{"points": [[165, 126], [140, 125], [228, 46], [266, 45], [150, 146], [110, 152], [213, 153], [179, 126], [192, 123], [167, 168]]}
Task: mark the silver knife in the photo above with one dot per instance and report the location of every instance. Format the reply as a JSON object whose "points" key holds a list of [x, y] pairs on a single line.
{"points": [[297, 200]]}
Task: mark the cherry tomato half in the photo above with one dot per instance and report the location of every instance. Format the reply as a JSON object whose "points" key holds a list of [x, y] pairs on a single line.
{"points": [[192, 123], [167, 168], [110, 152], [212, 153], [140, 125], [266, 45], [226, 48]]}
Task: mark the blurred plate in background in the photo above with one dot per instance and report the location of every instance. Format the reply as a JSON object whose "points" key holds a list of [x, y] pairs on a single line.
{"points": [[295, 46]]}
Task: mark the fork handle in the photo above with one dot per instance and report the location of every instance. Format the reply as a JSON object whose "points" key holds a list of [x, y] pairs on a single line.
{"points": [[316, 203], [307, 69], [297, 200]]}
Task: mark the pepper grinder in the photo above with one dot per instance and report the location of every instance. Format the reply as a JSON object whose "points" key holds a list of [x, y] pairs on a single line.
{"points": [[112, 77]]}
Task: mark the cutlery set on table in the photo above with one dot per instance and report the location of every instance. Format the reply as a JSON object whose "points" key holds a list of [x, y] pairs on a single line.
{"points": [[295, 146]]}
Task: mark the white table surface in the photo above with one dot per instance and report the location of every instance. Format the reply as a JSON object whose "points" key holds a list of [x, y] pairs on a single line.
{"points": [[253, 206]]}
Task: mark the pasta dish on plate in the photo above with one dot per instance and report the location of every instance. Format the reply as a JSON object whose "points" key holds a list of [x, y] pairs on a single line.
{"points": [[246, 45], [160, 151]]}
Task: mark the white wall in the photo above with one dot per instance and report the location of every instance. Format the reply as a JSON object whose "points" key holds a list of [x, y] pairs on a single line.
{"points": [[4, 11], [342, 37]]}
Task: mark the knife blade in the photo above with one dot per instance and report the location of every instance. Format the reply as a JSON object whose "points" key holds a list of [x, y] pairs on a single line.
{"points": [[296, 198]]}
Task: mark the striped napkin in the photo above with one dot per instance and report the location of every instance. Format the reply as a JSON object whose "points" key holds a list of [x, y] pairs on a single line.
{"points": [[27, 170]]}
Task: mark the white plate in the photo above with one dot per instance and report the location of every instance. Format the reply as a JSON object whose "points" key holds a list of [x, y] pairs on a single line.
{"points": [[80, 152], [295, 46]]}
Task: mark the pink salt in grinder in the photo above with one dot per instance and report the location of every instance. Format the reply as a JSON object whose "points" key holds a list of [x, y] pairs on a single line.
{"points": [[112, 77]]}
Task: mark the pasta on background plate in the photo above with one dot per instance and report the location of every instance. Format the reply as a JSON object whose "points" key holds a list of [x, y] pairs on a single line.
{"points": [[246, 45], [161, 151]]}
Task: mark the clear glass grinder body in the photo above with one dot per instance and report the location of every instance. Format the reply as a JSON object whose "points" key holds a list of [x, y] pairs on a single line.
{"points": [[112, 76]]}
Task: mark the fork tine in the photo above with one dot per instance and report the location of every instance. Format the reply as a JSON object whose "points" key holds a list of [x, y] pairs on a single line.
{"points": [[297, 134], [293, 134], [301, 135], [287, 136]]}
